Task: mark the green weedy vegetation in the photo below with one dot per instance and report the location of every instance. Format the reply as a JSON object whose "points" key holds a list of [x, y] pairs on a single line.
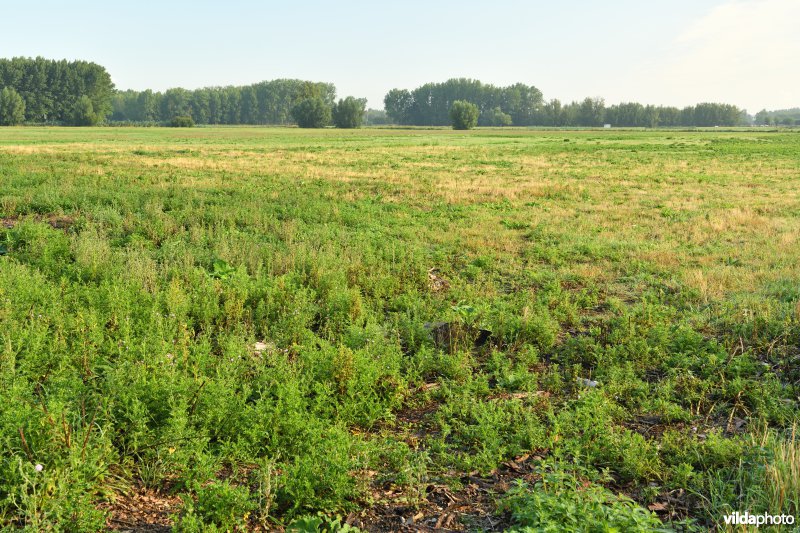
{"points": [[564, 501], [262, 325]]}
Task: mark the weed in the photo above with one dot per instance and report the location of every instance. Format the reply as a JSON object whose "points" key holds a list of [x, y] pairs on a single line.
{"points": [[278, 323]]}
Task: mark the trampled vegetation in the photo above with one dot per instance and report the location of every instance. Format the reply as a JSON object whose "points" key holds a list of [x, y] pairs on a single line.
{"points": [[497, 329]]}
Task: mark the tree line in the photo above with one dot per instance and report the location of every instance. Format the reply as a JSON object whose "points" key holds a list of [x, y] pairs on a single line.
{"points": [[267, 102], [433, 104], [779, 117], [81, 93], [53, 92], [277, 102], [430, 104]]}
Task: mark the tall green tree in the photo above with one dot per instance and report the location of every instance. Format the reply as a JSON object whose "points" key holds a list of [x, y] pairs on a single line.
{"points": [[199, 105], [175, 103], [249, 106], [552, 113], [398, 104], [762, 117], [650, 116], [51, 88], [591, 112], [312, 113], [522, 102], [464, 115], [669, 116], [83, 113], [349, 112], [494, 117], [12, 107], [147, 106]]}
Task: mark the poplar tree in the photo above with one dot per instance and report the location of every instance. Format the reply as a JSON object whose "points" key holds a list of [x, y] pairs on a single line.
{"points": [[12, 107]]}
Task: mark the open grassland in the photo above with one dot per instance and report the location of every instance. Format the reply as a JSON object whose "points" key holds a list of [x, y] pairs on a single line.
{"points": [[241, 328]]}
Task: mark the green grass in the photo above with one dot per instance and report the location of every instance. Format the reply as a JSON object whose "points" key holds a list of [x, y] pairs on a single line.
{"points": [[238, 316]]}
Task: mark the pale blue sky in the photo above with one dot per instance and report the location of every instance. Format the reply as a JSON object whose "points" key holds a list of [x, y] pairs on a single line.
{"points": [[745, 52]]}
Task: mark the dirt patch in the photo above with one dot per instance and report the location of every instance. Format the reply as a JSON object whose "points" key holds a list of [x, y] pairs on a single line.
{"points": [[436, 281], [470, 508], [142, 510], [60, 222], [63, 222]]}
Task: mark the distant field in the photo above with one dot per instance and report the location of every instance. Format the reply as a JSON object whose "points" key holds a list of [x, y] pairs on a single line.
{"points": [[243, 327]]}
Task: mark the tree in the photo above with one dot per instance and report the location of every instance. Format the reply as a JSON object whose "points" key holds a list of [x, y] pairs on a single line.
{"points": [[650, 116], [12, 107], [174, 102], [249, 105], [495, 117], [349, 113], [199, 103], [591, 112], [630, 114], [398, 103], [309, 90], [522, 102], [463, 115], [552, 113], [669, 116], [712, 114], [312, 113], [83, 112], [147, 105], [376, 117], [50, 88]]}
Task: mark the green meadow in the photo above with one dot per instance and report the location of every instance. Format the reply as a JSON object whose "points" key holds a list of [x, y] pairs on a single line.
{"points": [[230, 329]]}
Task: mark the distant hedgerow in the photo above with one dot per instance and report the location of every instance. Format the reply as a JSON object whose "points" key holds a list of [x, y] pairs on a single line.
{"points": [[182, 121]]}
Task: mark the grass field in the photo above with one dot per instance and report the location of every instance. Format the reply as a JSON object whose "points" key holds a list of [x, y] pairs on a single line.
{"points": [[242, 328]]}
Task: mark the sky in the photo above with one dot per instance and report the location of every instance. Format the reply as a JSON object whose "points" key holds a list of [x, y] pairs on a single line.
{"points": [[670, 52]]}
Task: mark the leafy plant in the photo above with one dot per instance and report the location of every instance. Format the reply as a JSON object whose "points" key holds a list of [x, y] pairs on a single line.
{"points": [[221, 269], [218, 505], [465, 313], [320, 523], [302, 375], [560, 501]]}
